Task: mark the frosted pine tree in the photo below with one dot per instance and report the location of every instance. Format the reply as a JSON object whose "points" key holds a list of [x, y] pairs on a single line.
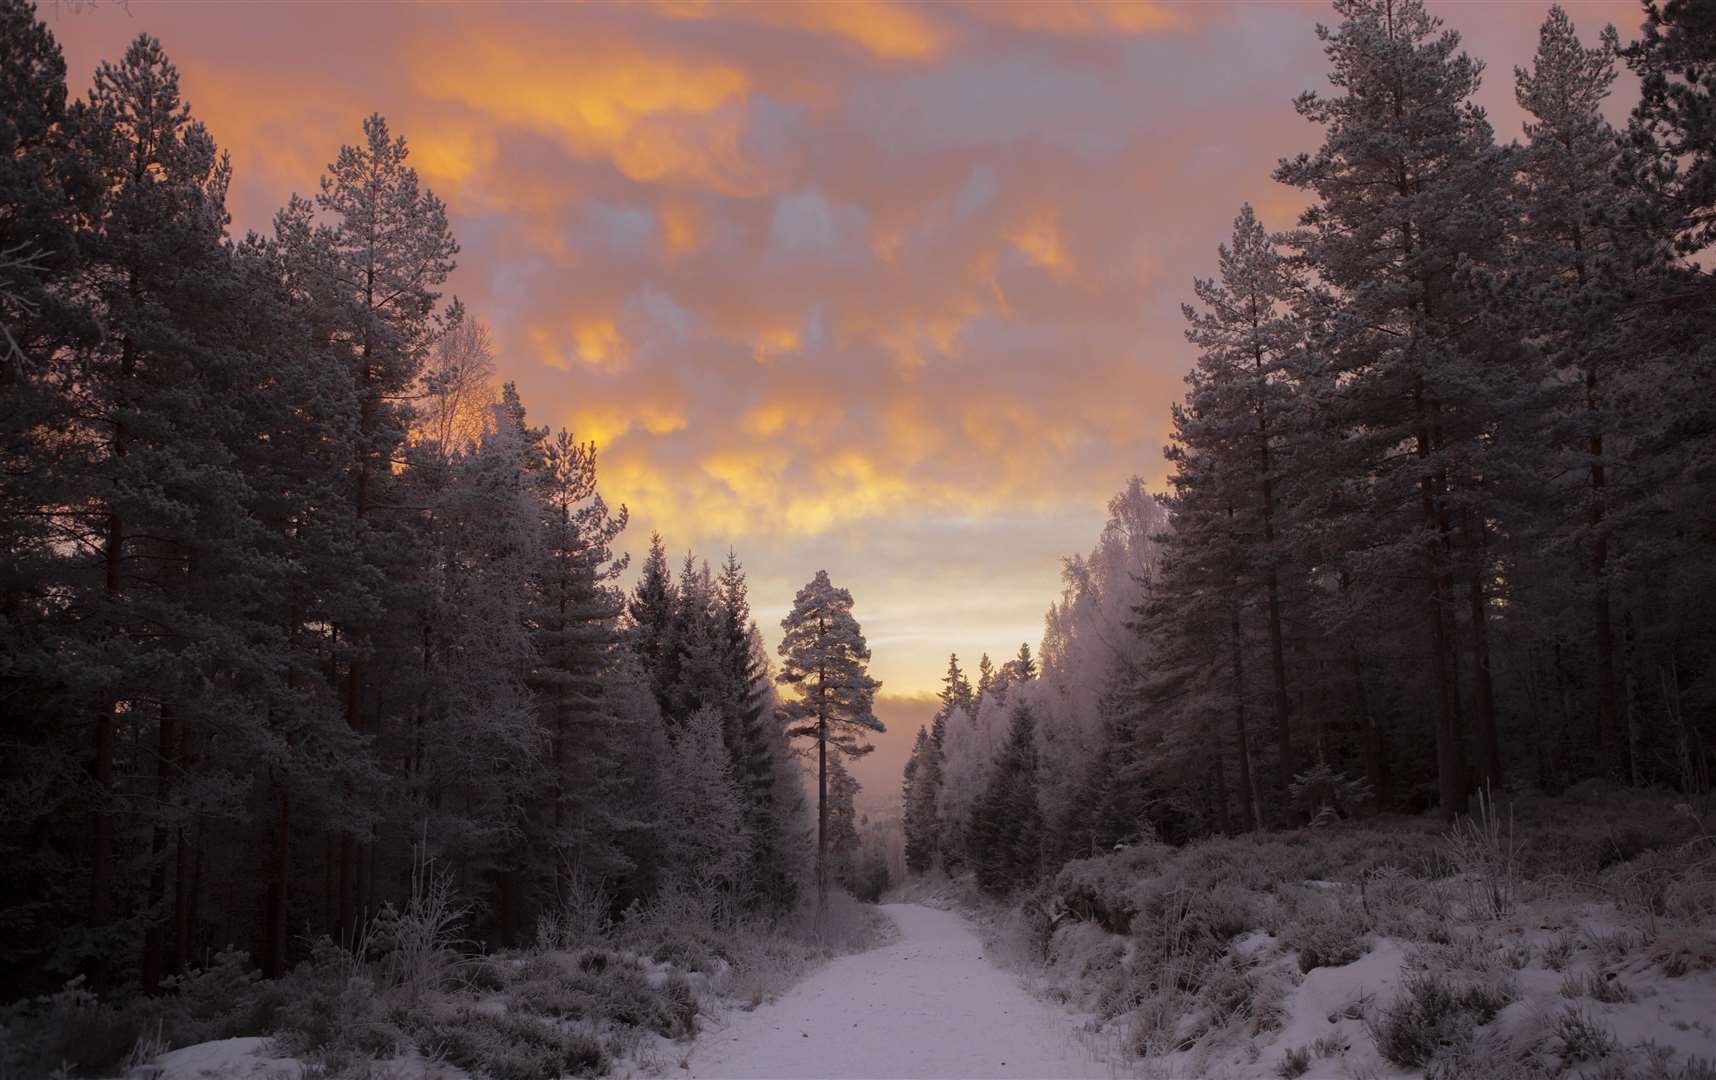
{"points": [[825, 660], [1573, 281], [1242, 390], [707, 844], [1410, 188]]}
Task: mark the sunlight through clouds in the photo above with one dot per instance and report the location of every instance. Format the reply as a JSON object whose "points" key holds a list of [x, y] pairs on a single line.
{"points": [[810, 273]]}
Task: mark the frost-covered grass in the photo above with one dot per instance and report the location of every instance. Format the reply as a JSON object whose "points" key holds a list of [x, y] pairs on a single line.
{"points": [[589, 998], [1543, 938]]}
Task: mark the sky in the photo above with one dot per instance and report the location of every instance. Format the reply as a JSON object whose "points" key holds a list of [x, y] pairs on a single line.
{"points": [[882, 288]]}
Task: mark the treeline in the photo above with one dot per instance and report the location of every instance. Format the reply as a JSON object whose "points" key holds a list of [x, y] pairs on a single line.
{"points": [[1440, 505], [290, 596]]}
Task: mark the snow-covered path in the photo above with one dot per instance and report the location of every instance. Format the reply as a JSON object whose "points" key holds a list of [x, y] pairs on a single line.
{"points": [[929, 1005]]}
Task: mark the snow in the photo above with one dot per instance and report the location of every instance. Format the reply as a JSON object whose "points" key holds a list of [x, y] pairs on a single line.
{"points": [[930, 1005], [224, 1059]]}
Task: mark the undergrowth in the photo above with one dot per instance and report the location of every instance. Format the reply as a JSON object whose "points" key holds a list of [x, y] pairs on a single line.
{"points": [[589, 994]]}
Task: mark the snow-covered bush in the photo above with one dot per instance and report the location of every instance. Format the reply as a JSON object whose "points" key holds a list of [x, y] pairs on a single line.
{"points": [[1327, 933], [1432, 1018], [512, 1046]]}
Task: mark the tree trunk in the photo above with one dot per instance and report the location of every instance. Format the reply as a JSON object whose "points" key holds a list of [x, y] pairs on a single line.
{"points": [[1635, 760], [1251, 811], [279, 878], [1224, 823], [1489, 740], [1609, 746], [1375, 765], [1277, 656], [186, 879], [166, 761], [1449, 785]]}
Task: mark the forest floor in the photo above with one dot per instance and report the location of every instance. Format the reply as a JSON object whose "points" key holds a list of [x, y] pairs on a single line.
{"points": [[931, 1005], [1568, 938]]}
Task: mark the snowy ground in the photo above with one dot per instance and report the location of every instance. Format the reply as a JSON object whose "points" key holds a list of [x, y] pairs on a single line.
{"points": [[930, 1005]]}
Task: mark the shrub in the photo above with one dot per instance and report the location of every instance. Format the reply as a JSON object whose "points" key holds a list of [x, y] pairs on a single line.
{"points": [[508, 1047], [1596, 986], [421, 944], [1294, 1063], [1327, 935], [1682, 950], [73, 1030], [1431, 1017], [581, 916], [1486, 854], [1581, 1038], [328, 1004]]}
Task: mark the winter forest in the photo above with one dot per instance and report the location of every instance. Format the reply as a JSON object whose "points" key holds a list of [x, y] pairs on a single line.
{"points": [[341, 733]]}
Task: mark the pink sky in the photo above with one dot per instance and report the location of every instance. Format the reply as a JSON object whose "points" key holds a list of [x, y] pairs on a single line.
{"points": [[888, 289]]}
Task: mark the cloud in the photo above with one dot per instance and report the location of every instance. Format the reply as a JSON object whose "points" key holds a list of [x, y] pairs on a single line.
{"points": [[887, 288]]}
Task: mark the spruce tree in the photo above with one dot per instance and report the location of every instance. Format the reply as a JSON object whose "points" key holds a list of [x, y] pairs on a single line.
{"points": [[1005, 836]]}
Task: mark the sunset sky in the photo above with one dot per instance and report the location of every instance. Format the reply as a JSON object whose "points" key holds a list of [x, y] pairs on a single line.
{"points": [[887, 289]]}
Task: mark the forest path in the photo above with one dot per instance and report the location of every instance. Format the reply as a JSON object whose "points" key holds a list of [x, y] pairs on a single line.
{"points": [[930, 1005]]}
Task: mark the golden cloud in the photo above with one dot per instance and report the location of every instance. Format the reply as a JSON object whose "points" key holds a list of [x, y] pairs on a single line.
{"points": [[890, 31]]}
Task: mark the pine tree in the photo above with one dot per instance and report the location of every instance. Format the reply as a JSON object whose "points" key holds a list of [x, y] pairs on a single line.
{"points": [[369, 253], [824, 658], [1241, 398], [151, 466], [44, 189], [574, 620], [1573, 280], [1409, 180], [1673, 129]]}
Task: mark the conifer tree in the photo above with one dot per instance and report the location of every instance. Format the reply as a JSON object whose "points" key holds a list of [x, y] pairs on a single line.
{"points": [[985, 677], [843, 839], [1408, 181], [923, 783], [1572, 282], [1005, 835], [370, 252], [651, 608], [1240, 401], [825, 661]]}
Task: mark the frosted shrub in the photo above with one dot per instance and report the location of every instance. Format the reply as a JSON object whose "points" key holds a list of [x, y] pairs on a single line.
{"points": [[1596, 986], [1485, 854], [329, 1003], [1579, 1038], [512, 1047], [1294, 1063], [422, 944], [581, 915], [1684, 949], [1327, 934], [1323, 795], [1433, 1018]]}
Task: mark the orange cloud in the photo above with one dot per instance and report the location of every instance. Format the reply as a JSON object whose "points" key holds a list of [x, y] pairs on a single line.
{"points": [[888, 30], [970, 335], [1086, 17], [652, 115]]}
